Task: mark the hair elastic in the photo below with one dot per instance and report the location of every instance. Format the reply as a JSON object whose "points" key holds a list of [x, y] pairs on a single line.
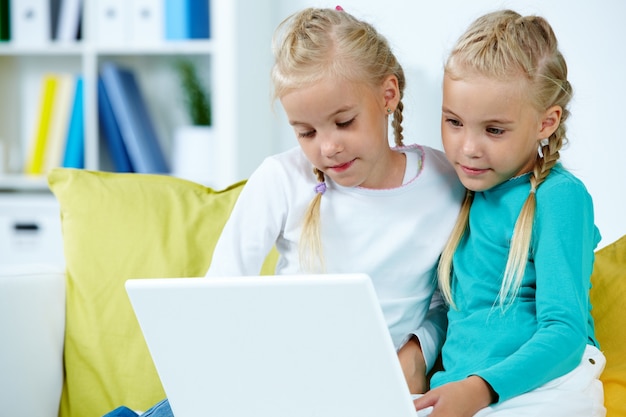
{"points": [[320, 188], [339, 8]]}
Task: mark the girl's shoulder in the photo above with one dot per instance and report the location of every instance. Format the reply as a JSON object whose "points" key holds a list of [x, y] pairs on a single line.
{"points": [[559, 178], [280, 180], [562, 188], [291, 162], [290, 157], [284, 171]]}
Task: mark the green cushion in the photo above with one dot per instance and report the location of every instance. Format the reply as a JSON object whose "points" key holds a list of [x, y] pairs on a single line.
{"points": [[115, 227], [608, 297]]}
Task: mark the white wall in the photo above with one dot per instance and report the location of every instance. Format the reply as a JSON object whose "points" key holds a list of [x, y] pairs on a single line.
{"points": [[592, 37]]}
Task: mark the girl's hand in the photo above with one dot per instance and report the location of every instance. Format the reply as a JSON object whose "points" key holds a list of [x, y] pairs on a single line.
{"points": [[413, 366], [458, 399]]}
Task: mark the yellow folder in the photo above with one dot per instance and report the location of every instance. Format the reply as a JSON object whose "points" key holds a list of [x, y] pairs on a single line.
{"points": [[36, 155]]}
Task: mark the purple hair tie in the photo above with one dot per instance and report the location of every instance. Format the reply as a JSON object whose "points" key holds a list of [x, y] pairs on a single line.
{"points": [[320, 188]]}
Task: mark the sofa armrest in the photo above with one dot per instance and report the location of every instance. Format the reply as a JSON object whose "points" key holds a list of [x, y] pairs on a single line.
{"points": [[32, 325]]}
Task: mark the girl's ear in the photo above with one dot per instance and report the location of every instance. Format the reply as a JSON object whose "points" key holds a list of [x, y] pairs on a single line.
{"points": [[391, 92], [550, 121]]}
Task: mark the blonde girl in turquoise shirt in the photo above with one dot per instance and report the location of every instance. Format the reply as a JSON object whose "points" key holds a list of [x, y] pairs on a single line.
{"points": [[516, 271]]}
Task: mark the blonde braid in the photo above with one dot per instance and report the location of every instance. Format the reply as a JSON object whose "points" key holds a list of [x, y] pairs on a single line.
{"points": [[397, 124], [522, 232], [310, 248], [547, 158], [444, 269]]}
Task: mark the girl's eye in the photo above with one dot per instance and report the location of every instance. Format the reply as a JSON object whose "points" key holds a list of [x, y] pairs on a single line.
{"points": [[307, 134], [345, 124], [454, 122], [495, 131]]}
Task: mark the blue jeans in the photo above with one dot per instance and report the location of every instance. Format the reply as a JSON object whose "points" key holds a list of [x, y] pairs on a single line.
{"points": [[160, 409]]}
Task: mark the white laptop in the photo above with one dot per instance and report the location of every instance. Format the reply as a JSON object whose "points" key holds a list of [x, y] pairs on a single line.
{"points": [[280, 346]]}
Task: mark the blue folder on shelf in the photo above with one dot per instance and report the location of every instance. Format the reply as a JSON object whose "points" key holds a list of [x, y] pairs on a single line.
{"points": [[74, 156], [111, 133], [187, 19], [133, 119]]}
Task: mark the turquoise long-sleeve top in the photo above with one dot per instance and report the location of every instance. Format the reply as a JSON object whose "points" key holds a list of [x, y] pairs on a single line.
{"points": [[543, 334]]}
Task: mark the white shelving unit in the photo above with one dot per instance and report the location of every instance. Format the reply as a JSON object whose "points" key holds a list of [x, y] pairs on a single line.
{"points": [[234, 63]]}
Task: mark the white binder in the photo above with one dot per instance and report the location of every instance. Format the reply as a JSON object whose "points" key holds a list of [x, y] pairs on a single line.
{"points": [[146, 22], [30, 22], [112, 22]]}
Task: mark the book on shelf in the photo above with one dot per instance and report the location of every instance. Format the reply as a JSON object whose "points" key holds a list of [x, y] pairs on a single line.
{"points": [[36, 153], [59, 121], [74, 155], [187, 19], [133, 118], [55, 5], [198, 16], [60, 102], [110, 132], [69, 20]]}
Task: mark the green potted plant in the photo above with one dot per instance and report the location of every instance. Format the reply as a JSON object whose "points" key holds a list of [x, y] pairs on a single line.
{"points": [[196, 97], [193, 148]]}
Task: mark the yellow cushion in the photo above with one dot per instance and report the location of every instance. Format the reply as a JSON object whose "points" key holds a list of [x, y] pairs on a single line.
{"points": [[608, 297], [116, 227]]}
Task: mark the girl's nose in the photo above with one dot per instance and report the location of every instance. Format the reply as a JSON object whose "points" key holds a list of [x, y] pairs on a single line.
{"points": [[470, 145], [330, 145]]}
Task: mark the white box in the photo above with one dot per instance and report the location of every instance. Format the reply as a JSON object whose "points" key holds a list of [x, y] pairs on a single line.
{"points": [[30, 229], [147, 22], [30, 22], [112, 22]]}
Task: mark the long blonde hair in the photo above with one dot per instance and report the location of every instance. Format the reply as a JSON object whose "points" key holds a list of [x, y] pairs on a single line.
{"points": [[506, 46], [316, 44]]}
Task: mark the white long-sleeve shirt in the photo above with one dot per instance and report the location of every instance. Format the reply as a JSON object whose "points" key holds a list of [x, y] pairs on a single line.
{"points": [[394, 235]]}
